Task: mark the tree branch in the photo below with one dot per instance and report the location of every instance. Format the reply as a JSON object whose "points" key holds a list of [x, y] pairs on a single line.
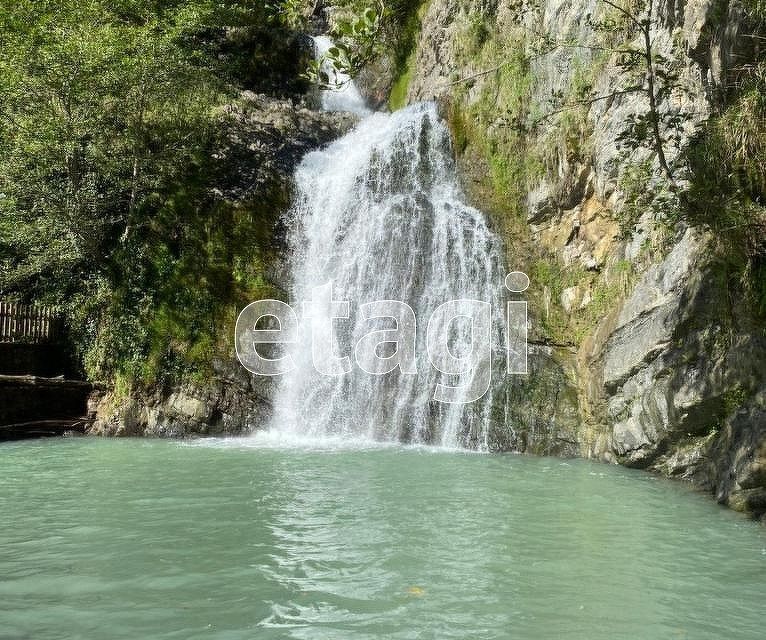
{"points": [[588, 102], [626, 13]]}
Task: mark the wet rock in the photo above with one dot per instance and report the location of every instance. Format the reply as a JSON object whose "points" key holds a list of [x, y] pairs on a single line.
{"points": [[229, 403], [539, 413]]}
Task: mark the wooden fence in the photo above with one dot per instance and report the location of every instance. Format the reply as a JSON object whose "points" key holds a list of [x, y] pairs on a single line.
{"points": [[27, 323]]}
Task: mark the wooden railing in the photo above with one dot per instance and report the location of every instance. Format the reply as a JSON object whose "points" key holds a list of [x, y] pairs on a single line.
{"points": [[27, 323]]}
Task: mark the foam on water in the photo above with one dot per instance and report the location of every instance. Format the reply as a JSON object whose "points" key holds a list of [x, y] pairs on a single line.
{"points": [[280, 441]]}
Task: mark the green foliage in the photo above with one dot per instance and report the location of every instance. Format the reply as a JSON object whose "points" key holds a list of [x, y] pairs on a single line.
{"points": [[644, 193], [109, 119], [356, 44], [88, 103], [634, 183], [755, 10], [727, 174], [364, 31], [293, 14], [728, 189]]}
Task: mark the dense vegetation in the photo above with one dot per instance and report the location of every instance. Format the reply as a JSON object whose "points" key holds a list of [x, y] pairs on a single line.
{"points": [[113, 112], [110, 116], [111, 120], [727, 192]]}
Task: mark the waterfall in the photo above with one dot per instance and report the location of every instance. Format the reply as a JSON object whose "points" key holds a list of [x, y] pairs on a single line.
{"points": [[346, 96], [380, 215]]}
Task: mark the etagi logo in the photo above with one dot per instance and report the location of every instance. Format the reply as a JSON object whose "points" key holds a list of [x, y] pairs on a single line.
{"points": [[458, 339]]}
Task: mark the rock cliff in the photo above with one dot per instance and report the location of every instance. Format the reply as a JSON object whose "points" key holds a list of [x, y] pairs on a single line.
{"points": [[646, 349], [664, 362]]}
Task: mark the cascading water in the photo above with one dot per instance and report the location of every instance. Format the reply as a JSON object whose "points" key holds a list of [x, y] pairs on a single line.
{"points": [[346, 96], [379, 214]]}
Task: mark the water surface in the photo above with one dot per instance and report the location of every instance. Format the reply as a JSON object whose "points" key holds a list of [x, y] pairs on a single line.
{"points": [[150, 539]]}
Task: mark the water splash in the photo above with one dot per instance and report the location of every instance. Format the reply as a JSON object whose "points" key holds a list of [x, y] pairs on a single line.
{"points": [[379, 213]]}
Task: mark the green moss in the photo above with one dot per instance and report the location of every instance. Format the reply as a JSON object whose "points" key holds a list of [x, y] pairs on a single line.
{"points": [[458, 128], [398, 97], [549, 279], [493, 123], [478, 33], [607, 291], [491, 136], [408, 16], [573, 126]]}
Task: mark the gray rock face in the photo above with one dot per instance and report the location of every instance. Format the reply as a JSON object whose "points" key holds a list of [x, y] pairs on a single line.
{"points": [[266, 138], [685, 376], [671, 375], [689, 30], [232, 402], [649, 317]]}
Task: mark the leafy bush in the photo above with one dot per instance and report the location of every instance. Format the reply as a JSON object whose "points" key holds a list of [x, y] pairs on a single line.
{"points": [[110, 115], [726, 163]]}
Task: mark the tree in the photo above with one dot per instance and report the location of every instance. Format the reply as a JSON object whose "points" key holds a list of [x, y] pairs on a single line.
{"points": [[646, 71], [356, 43], [658, 82], [110, 113]]}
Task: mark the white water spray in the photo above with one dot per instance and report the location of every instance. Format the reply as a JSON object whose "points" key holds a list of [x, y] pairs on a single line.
{"points": [[379, 214]]}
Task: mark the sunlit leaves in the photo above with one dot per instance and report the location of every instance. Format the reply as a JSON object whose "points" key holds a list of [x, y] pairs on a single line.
{"points": [[357, 42]]}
